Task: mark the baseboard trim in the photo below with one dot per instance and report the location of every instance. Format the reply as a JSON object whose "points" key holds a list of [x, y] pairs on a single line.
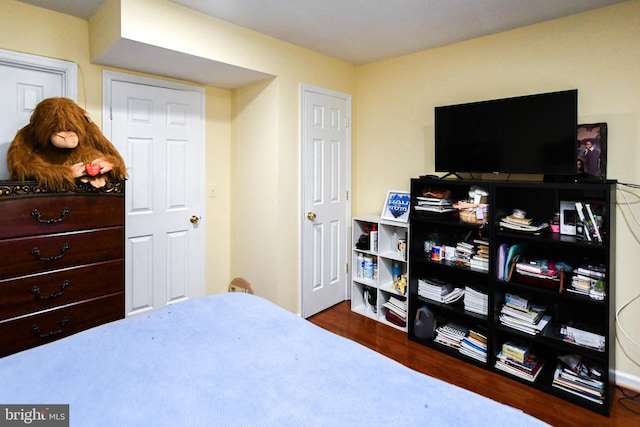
{"points": [[628, 381]]}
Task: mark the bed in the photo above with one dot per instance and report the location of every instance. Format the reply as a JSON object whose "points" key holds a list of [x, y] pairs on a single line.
{"points": [[234, 359]]}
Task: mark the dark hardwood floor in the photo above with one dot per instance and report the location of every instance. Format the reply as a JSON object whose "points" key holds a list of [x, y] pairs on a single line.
{"points": [[396, 345]]}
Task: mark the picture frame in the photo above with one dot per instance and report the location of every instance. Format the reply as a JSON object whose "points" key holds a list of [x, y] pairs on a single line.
{"points": [[592, 150], [397, 206]]}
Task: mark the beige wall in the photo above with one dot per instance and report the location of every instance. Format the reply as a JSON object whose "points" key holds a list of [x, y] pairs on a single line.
{"points": [[597, 52]]}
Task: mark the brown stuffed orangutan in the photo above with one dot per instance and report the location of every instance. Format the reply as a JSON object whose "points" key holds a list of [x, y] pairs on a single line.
{"points": [[60, 146]]}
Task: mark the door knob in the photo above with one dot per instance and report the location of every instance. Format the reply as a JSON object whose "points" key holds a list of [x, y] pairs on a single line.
{"points": [[311, 216], [194, 219]]}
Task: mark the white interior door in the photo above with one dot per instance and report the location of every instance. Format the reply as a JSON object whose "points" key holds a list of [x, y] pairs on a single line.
{"points": [[25, 80], [160, 133], [326, 148]]}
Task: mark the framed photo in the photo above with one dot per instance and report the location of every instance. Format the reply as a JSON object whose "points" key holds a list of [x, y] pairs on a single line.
{"points": [[397, 206], [592, 150]]}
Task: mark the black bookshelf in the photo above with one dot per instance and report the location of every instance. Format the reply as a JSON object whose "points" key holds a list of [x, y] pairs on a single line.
{"points": [[564, 305]]}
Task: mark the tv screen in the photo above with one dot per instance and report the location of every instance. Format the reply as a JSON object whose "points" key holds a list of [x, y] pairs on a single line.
{"points": [[533, 134]]}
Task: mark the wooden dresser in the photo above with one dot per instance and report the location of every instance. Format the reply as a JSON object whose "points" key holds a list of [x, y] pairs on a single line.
{"points": [[62, 262]]}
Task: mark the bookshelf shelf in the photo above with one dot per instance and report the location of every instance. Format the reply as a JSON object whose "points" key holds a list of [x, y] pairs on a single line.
{"points": [[584, 312]]}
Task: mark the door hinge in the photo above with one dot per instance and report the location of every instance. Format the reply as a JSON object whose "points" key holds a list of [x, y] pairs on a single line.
{"points": [[346, 122], [346, 268], [346, 195]]}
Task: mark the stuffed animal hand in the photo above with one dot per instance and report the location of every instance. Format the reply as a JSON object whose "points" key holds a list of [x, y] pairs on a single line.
{"points": [[92, 172], [98, 166], [77, 170]]}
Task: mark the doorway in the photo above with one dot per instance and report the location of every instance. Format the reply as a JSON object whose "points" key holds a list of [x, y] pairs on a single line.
{"points": [[27, 80], [158, 127], [326, 206]]}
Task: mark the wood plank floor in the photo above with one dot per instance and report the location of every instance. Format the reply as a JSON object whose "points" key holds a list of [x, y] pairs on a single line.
{"points": [[396, 345]]}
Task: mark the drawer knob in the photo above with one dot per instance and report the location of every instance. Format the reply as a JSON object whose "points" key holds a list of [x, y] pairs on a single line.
{"points": [[36, 253], [35, 329], [36, 291], [38, 216]]}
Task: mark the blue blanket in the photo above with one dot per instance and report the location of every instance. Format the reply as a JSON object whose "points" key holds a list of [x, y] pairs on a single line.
{"points": [[235, 360]]}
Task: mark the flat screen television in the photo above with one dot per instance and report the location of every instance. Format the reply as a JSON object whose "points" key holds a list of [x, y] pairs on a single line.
{"points": [[533, 134]]}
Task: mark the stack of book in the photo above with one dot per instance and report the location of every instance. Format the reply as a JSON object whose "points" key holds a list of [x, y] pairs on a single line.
{"points": [[451, 334], [474, 345], [578, 336], [480, 260], [434, 205], [517, 313], [539, 268], [476, 301], [518, 360], [526, 225], [464, 252], [580, 379], [589, 280], [397, 311], [439, 290]]}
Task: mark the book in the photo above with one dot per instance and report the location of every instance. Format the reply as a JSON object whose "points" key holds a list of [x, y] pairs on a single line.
{"points": [[515, 351], [597, 271], [533, 315], [516, 301], [476, 301], [434, 208], [516, 220], [434, 201], [585, 230], [593, 223], [528, 370], [534, 226], [395, 319], [513, 254], [451, 334], [396, 310], [566, 380], [524, 326], [583, 338]]}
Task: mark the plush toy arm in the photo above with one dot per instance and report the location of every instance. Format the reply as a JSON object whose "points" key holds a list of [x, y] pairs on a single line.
{"points": [[51, 176], [25, 164]]}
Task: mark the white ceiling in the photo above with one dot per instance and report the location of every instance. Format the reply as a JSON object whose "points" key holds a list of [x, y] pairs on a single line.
{"points": [[362, 31]]}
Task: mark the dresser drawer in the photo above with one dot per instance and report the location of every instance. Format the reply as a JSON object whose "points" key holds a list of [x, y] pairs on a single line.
{"points": [[30, 216], [30, 331], [29, 255], [44, 291]]}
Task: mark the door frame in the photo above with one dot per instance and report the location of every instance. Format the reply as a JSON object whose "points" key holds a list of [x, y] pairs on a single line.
{"points": [[304, 89], [108, 77], [66, 69]]}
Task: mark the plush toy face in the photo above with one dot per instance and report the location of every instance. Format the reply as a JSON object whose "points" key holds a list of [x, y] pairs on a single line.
{"points": [[65, 139], [58, 121]]}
